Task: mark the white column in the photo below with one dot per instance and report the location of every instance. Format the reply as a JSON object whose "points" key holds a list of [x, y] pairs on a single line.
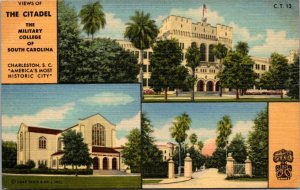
{"points": [[207, 52], [188, 166], [171, 169], [248, 167], [229, 165]]}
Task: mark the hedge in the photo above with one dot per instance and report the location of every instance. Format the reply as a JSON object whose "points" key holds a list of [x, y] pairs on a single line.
{"points": [[160, 171], [48, 171]]}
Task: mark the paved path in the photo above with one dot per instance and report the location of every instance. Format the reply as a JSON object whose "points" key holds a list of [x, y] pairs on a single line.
{"points": [[211, 179]]}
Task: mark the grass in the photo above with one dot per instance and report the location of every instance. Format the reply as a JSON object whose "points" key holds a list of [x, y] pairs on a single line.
{"points": [[223, 100], [151, 181], [70, 182]]}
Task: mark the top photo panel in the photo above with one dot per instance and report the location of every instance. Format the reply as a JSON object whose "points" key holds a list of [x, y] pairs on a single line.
{"points": [[182, 51]]}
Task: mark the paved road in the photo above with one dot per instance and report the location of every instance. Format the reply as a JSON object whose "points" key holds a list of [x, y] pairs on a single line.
{"points": [[211, 179]]}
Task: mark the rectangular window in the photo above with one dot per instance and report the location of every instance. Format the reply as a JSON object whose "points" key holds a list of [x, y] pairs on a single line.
{"points": [[145, 54], [150, 55], [145, 68], [149, 68]]}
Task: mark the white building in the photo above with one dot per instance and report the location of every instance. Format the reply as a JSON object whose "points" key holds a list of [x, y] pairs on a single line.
{"points": [[44, 145], [167, 149]]}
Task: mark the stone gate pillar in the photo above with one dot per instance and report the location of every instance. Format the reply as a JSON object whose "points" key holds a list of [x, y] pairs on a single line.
{"points": [[229, 165], [171, 169], [188, 166], [248, 167]]}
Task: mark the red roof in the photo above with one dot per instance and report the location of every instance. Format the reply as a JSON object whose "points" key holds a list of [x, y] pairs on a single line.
{"points": [[43, 130], [103, 149], [57, 153]]}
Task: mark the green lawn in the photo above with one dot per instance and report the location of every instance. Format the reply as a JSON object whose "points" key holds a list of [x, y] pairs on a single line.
{"points": [[222, 100], [151, 181], [70, 182]]}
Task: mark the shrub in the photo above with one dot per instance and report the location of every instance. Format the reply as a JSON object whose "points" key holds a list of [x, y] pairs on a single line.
{"points": [[21, 166], [159, 171], [30, 164], [42, 166], [149, 91]]}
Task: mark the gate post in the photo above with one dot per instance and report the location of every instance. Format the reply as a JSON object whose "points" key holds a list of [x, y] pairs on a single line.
{"points": [[248, 167], [171, 169], [188, 166], [229, 165]]}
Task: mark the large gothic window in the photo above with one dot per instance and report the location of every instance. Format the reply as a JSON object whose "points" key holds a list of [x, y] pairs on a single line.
{"points": [[98, 135], [211, 57], [202, 52], [21, 141], [42, 142]]}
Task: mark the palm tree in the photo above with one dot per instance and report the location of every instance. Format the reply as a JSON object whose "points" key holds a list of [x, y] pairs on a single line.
{"points": [[200, 146], [178, 131], [193, 61], [220, 51], [242, 47], [92, 18], [193, 138], [142, 32], [224, 130]]}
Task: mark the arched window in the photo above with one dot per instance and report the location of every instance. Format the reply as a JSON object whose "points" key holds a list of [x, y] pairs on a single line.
{"points": [[98, 135], [21, 141], [202, 52], [211, 57], [42, 142]]}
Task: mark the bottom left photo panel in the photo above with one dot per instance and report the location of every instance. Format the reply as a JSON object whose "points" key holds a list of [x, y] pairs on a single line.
{"points": [[68, 136]]}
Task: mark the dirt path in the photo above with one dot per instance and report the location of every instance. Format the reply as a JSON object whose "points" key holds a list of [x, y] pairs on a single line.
{"points": [[211, 179]]}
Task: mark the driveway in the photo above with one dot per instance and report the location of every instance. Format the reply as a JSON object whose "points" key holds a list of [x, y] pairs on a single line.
{"points": [[210, 178]]}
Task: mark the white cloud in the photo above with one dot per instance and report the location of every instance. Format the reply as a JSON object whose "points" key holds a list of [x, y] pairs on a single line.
{"points": [[45, 115], [163, 134], [275, 42], [243, 34], [196, 15], [114, 27], [108, 99], [9, 137], [130, 123], [242, 127], [202, 133], [121, 141]]}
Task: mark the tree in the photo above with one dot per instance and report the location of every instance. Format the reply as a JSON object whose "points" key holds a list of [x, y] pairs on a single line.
{"points": [[142, 33], [238, 72], [242, 48], [258, 142], [166, 61], [30, 164], [151, 156], [132, 150], [103, 60], [200, 146], [218, 160], [276, 78], [224, 127], [193, 61], [9, 154], [76, 152], [220, 51], [293, 83], [193, 138], [92, 18], [178, 130], [68, 41], [238, 148]]}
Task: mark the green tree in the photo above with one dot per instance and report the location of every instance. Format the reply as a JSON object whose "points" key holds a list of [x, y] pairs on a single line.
{"points": [[218, 160], [258, 142], [276, 78], [142, 32], [151, 156], [242, 48], [238, 72], [238, 148], [224, 128], [68, 41], [178, 130], [92, 18], [9, 154], [193, 138], [30, 164], [293, 83], [193, 61], [132, 150], [220, 51], [165, 62], [200, 146], [76, 152], [104, 60]]}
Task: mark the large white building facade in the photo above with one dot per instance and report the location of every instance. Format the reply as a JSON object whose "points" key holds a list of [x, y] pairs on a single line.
{"points": [[206, 37], [45, 146]]}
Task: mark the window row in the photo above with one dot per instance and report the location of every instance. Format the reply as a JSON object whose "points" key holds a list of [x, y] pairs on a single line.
{"points": [[258, 67]]}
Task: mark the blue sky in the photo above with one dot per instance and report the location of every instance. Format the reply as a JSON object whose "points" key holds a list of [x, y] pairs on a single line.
{"points": [[60, 106], [265, 28], [204, 118]]}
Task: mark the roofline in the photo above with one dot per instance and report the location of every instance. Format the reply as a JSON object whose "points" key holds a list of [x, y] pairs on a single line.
{"points": [[99, 115]]}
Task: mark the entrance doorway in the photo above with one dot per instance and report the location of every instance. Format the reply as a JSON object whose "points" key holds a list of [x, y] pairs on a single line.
{"points": [[114, 163], [95, 163], [105, 163]]}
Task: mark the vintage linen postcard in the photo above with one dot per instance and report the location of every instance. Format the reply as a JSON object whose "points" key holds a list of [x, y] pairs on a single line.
{"points": [[99, 94]]}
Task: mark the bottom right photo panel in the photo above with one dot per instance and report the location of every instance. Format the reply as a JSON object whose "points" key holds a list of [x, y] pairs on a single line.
{"points": [[220, 145]]}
